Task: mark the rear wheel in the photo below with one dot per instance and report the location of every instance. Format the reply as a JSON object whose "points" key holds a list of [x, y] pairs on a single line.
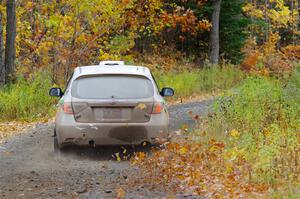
{"points": [[56, 146]]}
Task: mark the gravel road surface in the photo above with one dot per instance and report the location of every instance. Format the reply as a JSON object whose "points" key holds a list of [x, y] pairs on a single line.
{"points": [[30, 169]]}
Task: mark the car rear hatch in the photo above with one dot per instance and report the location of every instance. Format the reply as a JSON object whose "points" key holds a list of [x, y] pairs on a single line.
{"points": [[112, 99]]}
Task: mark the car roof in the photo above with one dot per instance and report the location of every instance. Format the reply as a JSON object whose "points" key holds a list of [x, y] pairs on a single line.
{"points": [[111, 67]]}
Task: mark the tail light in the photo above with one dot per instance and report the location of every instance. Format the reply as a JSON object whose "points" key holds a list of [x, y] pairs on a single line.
{"points": [[67, 108], [157, 108]]}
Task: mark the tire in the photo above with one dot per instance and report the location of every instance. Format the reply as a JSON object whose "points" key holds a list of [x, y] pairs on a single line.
{"points": [[56, 145]]}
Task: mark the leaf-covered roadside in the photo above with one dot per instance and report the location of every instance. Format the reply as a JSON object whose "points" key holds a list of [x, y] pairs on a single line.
{"points": [[191, 168], [10, 129], [247, 147]]}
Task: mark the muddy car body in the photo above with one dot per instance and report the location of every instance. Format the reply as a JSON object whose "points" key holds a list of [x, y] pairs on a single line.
{"points": [[111, 104]]}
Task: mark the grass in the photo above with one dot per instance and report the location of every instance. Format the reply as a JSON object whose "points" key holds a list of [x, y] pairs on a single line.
{"points": [[258, 122], [202, 81], [27, 100]]}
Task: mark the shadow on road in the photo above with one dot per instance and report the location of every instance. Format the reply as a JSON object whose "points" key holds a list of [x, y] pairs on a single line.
{"points": [[105, 153]]}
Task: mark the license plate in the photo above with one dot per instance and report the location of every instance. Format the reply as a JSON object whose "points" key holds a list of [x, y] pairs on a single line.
{"points": [[112, 113]]}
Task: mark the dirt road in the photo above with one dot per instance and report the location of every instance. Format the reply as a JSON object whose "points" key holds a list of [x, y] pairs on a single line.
{"points": [[30, 169]]}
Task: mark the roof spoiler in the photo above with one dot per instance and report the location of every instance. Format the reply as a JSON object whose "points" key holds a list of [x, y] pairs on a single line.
{"points": [[111, 63]]}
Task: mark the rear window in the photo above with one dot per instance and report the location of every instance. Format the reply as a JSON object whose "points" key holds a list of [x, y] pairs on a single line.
{"points": [[112, 87]]}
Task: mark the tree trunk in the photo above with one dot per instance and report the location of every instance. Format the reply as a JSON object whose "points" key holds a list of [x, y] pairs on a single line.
{"points": [[10, 49], [214, 34], [2, 67], [267, 21]]}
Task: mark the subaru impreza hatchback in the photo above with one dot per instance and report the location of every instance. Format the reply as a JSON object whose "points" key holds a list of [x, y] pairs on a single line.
{"points": [[111, 104]]}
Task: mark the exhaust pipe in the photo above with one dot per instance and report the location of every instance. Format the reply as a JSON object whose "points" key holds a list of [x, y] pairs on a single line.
{"points": [[92, 143]]}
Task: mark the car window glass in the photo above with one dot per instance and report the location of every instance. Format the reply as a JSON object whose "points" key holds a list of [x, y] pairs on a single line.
{"points": [[112, 86]]}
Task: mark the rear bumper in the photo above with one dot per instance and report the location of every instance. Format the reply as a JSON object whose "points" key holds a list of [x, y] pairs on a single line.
{"points": [[70, 132]]}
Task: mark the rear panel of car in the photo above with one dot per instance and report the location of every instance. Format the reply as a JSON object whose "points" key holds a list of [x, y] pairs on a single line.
{"points": [[112, 99]]}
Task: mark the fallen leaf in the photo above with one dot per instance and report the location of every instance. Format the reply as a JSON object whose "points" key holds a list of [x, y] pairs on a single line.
{"points": [[118, 157], [183, 150], [120, 193]]}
